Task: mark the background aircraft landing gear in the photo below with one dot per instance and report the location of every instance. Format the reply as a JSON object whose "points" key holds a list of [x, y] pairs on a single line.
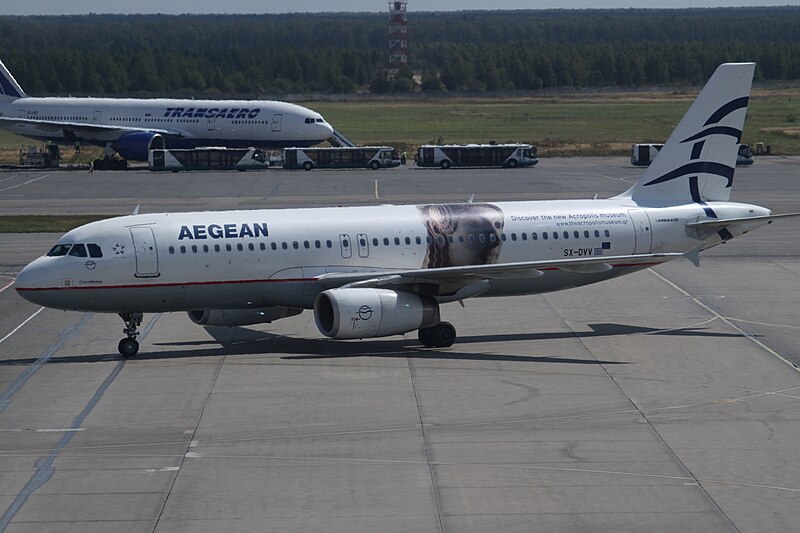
{"points": [[129, 346], [441, 335]]}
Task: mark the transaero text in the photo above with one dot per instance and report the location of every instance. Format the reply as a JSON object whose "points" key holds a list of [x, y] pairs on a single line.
{"points": [[223, 231]]}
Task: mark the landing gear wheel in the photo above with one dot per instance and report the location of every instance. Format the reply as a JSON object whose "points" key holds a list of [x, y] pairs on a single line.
{"points": [[128, 347], [442, 335]]}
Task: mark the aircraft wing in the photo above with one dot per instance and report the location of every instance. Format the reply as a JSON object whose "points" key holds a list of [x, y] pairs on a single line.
{"points": [[459, 282], [84, 127]]}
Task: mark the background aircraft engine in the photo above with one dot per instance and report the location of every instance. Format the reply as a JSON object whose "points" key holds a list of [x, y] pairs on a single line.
{"points": [[362, 313], [137, 144], [241, 317]]}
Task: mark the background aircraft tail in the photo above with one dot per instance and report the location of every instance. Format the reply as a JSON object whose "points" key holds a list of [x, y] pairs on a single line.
{"points": [[9, 88], [698, 160]]}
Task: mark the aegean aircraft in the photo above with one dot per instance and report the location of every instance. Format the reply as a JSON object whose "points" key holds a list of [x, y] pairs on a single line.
{"points": [[132, 126], [377, 271]]}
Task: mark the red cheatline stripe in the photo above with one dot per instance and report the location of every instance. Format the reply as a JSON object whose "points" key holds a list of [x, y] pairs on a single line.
{"points": [[233, 282], [153, 285]]}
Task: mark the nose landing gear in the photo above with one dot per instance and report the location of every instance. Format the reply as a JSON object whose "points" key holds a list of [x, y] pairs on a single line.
{"points": [[129, 346]]}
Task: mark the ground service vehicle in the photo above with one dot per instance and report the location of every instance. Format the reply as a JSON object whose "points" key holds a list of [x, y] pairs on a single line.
{"points": [[210, 158], [644, 154], [373, 157], [477, 155]]}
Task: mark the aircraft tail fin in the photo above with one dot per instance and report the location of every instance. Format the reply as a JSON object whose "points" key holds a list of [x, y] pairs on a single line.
{"points": [[9, 88], [698, 160]]}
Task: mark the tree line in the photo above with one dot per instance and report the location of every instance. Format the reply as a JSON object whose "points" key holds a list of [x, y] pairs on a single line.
{"points": [[272, 55]]}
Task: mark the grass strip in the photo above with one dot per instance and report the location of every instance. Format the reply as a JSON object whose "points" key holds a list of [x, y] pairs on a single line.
{"points": [[45, 223]]}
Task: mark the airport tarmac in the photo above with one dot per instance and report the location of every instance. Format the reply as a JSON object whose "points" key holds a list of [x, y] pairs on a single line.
{"points": [[665, 400]]}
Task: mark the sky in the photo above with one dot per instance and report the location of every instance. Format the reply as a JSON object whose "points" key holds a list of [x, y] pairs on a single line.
{"points": [[174, 7]]}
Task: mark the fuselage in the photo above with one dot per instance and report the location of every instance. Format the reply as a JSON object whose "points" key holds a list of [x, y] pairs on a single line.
{"points": [[187, 123], [260, 258]]}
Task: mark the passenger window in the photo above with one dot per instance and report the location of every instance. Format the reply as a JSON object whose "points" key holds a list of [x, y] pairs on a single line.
{"points": [[228, 247], [418, 240], [503, 237], [555, 235], [274, 246], [492, 237], [284, 245], [205, 248], [296, 245], [78, 250], [566, 235], [397, 241], [408, 240], [216, 248], [194, 248], [374, 242], [482, 237], [577, 234], [386, 241], [239, 247], [544, 235], [251, 246], [329, 244], [172, 249], [262, 246], [608, 233], [183, 249], [513, 236], [534, 236], [319, 244], [306, 245], [586, 233], [94, 250], [524, 236], [597, 233]]}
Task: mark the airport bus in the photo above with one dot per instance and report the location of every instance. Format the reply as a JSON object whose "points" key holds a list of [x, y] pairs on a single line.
{"points": [[208, 158], [477, 155], [644, 154], [373, 157]]}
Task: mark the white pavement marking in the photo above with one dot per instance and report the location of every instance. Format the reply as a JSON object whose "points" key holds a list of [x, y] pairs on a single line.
{"points": [[23, 323], [7, 286], [24, 183], [726, 320]]}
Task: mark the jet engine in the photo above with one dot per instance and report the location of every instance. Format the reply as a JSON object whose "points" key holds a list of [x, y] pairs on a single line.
{"points": [[137, 144], [241, 317], [361, 313]]}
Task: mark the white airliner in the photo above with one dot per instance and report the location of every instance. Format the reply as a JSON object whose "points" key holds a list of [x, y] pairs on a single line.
{"points": [[133, 126], [385, 270]]}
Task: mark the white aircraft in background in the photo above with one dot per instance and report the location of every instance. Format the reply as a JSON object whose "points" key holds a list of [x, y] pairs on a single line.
{"points": [[385, 270], [133, 126]]}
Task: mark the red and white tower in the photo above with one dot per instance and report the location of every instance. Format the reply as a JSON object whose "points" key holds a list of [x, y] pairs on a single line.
{"points": [[398, 37]]}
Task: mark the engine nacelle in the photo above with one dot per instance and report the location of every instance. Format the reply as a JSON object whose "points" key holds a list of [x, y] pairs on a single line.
{"points": [[361, 313], [241, 317], [136, 144]]}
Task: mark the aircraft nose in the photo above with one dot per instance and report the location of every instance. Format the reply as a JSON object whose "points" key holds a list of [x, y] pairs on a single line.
{"points": [[31, 280]]}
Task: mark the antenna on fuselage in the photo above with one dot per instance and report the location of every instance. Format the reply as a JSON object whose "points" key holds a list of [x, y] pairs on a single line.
{"points": [[136, 210]]}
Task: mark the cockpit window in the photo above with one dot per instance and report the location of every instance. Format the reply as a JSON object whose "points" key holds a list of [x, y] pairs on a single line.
{"points": [[320, 120], [94, 250], [79, 250], [59, 250], [309, 121]]}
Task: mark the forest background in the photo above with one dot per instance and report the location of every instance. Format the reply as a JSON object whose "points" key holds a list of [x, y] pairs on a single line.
{"points": [[504, 75]]}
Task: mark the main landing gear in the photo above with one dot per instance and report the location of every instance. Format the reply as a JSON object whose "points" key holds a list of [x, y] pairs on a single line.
{"points": [[441, 335], [129, 346]]}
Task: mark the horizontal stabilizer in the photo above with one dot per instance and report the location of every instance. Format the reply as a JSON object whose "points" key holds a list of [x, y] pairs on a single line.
{"points": [[713, 223]]}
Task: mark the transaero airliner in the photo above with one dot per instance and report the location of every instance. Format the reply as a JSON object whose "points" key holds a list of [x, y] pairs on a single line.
{"points": [[132, 127], [386, 270]]}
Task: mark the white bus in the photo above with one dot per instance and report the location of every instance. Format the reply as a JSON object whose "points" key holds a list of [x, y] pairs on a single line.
{"points": [[373, 157], [644, 154], [208, 158], [477, 155]]}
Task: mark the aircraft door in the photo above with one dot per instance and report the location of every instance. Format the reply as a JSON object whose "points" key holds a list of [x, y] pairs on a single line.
{"points": [[144, 247], [642, 231], [211, 123], [344, 244], [96, 117], [276, 122], [363, 245]]}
